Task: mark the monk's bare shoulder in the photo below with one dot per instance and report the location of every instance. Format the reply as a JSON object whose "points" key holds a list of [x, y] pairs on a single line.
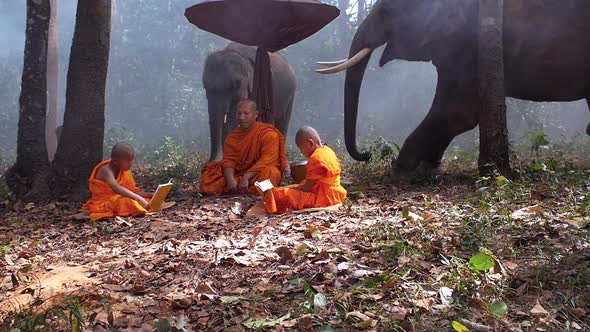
{"points": [[104, 173]]}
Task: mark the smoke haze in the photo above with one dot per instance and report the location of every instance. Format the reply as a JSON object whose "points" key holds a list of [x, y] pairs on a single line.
{"points": [[154, 84]]}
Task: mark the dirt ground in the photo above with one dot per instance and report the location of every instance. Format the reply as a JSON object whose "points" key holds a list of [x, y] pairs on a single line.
{"points": [[393, 258]]}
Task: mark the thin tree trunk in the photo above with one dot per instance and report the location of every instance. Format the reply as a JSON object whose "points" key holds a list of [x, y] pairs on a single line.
{"points": [[27, 178], [361, 11], [493, 146], [84, 117], [52, 83]]}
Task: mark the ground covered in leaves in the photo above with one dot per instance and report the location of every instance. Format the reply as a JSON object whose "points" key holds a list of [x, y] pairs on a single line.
{"points": [[455, 252]]}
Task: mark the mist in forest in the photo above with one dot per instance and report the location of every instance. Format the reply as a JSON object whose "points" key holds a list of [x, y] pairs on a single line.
{"points": [[154, 87]]}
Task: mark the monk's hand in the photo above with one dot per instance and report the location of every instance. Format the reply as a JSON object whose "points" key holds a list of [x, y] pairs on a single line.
{"points": [[231, 185], [243, 186], [144, 203]]}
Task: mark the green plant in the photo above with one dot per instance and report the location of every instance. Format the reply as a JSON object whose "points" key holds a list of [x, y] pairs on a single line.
{"points": [[68, 312], [538, 139]]}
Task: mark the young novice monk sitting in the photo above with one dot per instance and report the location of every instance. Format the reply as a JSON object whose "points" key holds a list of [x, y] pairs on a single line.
{"points": [[321, 186], [113, 188]]}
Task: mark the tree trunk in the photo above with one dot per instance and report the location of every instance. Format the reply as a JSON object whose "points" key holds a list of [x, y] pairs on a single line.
{"points": [[493, 146], [27, 178], [52, 83], [83, 127], [361, 12]]}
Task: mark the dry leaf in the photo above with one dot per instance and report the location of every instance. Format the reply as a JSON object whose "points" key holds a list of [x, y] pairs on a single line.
{"points": [[285, 254], [510, 265], [398, 313], [578, 312], [573, 257], [522, 288], [423, 303], [538, 310], [205, 288], [26, 253], [255, 234], [526, 212], [221, 244]]}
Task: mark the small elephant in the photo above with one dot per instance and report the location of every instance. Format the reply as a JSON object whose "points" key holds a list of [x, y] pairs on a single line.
{"points": [[228, 78], [545, 51]]}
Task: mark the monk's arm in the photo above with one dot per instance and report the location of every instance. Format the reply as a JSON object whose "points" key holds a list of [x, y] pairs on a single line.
{"points": [[307, 186], [269, 154], [230, 179], [105, 175], [145, 194]]}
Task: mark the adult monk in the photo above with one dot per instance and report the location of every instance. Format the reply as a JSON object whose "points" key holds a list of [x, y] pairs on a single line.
{"points": [[321, 187], [113, 188], [254, 151]]}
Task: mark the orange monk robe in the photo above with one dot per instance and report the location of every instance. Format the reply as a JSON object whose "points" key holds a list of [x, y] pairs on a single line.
{"points": [[105, 203], [260, 149], [324, 168]]}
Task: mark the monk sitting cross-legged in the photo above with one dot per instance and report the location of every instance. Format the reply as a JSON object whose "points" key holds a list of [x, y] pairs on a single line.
{"points": [[113, 188], [253, 152], [321, 187]]}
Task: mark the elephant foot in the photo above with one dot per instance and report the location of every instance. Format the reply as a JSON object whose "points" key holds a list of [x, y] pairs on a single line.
{"points": [[424, 172], [588, 129]]}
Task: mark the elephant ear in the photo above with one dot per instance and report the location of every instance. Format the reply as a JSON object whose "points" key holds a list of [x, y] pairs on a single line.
{"points": [[428, 29]]}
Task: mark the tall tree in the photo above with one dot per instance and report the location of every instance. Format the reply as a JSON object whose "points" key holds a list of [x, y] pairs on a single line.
{"points": [[27, 178], [493, 130], [52, 83], [84, 117]]}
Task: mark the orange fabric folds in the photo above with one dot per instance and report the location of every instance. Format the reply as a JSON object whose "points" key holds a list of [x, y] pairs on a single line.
{"points": [[259, 149], [324, 167], [104, 203]]}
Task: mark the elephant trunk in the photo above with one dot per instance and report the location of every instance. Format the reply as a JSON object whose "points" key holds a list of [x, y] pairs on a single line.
{"points": [[218, 108], [366, 39]]}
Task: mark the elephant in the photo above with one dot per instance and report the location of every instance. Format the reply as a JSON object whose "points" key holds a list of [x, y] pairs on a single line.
{"points": [[545, 53], [228, 78]]}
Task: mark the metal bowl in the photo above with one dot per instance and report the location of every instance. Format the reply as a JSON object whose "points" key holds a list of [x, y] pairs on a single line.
{"points": [[298, 171]]}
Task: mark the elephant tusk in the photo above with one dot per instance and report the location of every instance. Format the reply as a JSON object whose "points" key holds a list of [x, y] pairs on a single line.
{"points": [[331, 63], [346, 64]]}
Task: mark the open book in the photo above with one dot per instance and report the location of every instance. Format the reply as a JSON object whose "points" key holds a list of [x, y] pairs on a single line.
{"points": [[159, 196], [263, 186]]}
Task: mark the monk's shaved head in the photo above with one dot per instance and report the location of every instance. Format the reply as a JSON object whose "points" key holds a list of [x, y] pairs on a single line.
{"points": [[306, 133], [122, 150], [249, 103]]}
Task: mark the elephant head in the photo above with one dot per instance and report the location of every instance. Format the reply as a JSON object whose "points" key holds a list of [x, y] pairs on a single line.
{"points": [[417, 30], [227, 77]]}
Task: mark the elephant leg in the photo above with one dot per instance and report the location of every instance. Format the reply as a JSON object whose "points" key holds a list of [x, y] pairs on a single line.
{"points": [[454, 111], [588, 126], [284, 116]]}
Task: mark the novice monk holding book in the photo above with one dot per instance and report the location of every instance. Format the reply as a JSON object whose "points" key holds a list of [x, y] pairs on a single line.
{"points": [[113, 188], [253, 152], [321, 187]]}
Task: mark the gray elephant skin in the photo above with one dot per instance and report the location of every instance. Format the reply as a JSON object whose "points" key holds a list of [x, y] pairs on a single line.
{"points": [[546, 58], [227, 78]]}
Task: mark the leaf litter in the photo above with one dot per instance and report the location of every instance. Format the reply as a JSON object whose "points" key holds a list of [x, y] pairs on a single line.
{"points": [[396, 258]]}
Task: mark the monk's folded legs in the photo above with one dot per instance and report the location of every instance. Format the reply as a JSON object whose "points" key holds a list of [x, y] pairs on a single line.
{"points": [[280, 200], [118, 206], [213, 182]]}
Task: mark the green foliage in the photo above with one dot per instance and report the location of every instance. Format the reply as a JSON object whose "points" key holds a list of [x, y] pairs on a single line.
{"points": [[69, 312], [498, 308], [481, 262], [170, 159], [538, 140], [383, 154], [383, 150]]}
